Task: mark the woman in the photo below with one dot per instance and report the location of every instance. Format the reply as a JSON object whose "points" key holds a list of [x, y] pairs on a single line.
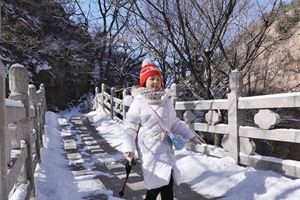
{"points": [[142, 133]]}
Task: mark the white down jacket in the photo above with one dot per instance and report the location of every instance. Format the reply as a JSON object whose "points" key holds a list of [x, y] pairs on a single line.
{"points": [[142, 133]]}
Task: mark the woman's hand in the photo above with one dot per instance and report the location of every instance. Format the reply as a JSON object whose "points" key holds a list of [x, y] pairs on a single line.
{"points": [[195, 141], [129, 156]]}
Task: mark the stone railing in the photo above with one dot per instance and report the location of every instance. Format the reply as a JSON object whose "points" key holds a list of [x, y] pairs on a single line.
{"points": [[22, 120], [107, 100], [237, 135]]}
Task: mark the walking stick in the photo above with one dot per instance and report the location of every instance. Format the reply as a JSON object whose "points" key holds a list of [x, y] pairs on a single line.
{"points": [[128, 170]]}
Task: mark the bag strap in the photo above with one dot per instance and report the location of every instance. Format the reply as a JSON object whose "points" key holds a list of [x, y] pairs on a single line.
{"points": [[155, 115]]}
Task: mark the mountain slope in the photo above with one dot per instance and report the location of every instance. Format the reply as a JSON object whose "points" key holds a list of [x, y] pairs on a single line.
{"points": [[39, 35]]}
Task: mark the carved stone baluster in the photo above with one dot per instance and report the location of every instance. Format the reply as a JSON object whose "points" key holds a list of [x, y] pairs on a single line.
{"points": [[213, 117], [266, 119], [189, 116]]}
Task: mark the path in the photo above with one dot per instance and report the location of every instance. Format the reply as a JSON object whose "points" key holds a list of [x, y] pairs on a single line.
{"points": [[83, 144]]}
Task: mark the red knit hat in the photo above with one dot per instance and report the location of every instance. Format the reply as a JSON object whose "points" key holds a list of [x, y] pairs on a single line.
{"points": [[148, 69]]}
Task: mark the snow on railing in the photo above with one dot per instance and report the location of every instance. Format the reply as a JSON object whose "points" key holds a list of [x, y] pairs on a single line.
{"points": [[22, 120], [237, 137]]}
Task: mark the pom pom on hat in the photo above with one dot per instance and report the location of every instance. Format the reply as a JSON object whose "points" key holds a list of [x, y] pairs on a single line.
{"points": [[148, 69], [146, 62]]}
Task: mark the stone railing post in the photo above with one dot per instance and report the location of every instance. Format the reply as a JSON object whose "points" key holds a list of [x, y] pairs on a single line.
{"points": [[236, 117], [124, 93], [175, 97], [33, 99], [18, 85], [3, 187], [102, 96], [96, 100], [174, 93], [43, 102], [112, 104], [42, 107]]}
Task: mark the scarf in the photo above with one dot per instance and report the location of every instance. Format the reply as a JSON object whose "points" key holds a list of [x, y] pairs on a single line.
{"points": [[149, 94]]}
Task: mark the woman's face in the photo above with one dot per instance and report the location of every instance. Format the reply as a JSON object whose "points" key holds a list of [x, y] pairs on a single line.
{"points": [[153, 83]]}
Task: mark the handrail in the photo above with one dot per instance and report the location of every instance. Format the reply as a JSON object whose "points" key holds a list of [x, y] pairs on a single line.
{"points": [[237, 136], [22, 122]]}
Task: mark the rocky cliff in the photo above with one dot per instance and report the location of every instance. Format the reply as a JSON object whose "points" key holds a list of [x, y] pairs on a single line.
{"points": [[39, 35], [277, 69]]}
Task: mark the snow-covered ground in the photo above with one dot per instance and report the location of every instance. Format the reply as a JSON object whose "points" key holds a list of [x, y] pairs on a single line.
{"points": [[205, 175]]}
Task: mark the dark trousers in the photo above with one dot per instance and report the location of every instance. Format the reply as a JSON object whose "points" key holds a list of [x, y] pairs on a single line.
{"points": [[166, 192]]}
